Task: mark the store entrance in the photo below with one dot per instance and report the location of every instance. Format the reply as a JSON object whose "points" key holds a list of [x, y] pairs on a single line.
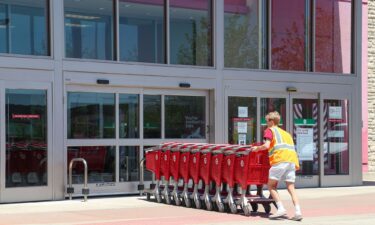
{"points": [[25, 142], [299, 116], [112, 127]]}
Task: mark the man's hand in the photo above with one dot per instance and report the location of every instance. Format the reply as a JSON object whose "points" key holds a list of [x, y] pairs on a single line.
{"points": [[254, 149]]}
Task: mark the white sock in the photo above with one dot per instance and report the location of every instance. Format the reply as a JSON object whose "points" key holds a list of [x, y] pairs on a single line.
{"points": [[298, 210], [280, 206]]}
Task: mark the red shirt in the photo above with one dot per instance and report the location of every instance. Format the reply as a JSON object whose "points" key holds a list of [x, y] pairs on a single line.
{"points": [[267, 135]]}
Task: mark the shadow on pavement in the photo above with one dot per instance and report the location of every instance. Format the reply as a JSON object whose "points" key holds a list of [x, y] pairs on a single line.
{"points": [[368, 183]]}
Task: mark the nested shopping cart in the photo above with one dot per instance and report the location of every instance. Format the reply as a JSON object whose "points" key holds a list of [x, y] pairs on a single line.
{"points": [[179, 162], [157, 159], [214, 171]]}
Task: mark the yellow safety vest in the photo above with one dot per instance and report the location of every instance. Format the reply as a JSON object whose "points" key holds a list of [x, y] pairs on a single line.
{"points": [[282, 148]]}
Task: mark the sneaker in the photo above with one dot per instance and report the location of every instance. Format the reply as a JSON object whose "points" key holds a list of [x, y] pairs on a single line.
{"points": [[297, 217], [278, 215]]}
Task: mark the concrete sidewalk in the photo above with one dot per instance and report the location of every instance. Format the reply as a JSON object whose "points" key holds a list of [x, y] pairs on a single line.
{"points": [[340, 205]]}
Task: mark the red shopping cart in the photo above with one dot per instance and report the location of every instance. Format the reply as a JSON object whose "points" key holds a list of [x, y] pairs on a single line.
{"points": [[251, 168]]}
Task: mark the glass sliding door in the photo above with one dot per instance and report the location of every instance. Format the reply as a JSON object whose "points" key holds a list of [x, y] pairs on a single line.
{"points": [[306, 134], [299, 114], [111, 128], [25, 156], [26, 138], [242, 120], [336, 137]]}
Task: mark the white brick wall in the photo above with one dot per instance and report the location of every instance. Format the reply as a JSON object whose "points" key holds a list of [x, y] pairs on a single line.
{"points": [[371, 85]]}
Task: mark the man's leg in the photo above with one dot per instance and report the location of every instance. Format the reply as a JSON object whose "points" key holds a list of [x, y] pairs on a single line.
{"points": [[272, 187], [293, 194]]}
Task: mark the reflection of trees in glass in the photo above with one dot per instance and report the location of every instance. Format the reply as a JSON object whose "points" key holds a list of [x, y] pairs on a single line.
{"points": [[197, 48], [288, 50], [241, 48], [328, 51]]}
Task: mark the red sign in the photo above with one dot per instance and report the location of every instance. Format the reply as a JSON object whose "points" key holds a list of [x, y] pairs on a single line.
{"points": [[25, 116], [241, 119]]}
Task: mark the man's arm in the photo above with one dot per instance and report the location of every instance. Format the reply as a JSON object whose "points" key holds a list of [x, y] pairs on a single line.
{"points": [[263, 147]]}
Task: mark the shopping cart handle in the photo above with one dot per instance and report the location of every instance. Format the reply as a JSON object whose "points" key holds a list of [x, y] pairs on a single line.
{"points": [[217, 151], [229, 152], [207, 150], [246, 152]]}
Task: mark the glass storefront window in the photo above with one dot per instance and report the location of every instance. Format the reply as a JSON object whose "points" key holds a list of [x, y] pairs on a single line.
{"points": [[191, 32], [129, 115], [305, 134], [269, 105], [26, 138], [185, 117], [242, 121], [242, 47], [129, 163], [91, 115], [333, 33], [336, 137], [142, 36], [152, 116], [24, 27], [288, 35], [100, 162], [89, 29]]}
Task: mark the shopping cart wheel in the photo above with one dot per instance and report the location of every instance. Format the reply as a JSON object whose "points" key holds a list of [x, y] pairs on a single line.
{"points": [[167, 199], [220, 207], [233, 208], [148, 196], [197, 203], [177, 200], [158, 198], [209, 206], [267, 207], [187, 202], [246, 210], [254, 206]]}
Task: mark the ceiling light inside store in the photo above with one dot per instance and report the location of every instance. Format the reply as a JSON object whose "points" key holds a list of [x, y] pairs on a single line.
{"points": [[6, 26], [76, 25], [77, 16]]}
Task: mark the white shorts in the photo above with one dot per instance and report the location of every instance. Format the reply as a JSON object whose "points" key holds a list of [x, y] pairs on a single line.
{"points": [[283, 172]]}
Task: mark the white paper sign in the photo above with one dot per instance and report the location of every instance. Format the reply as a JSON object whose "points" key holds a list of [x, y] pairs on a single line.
{"points": [[335, 112], [242, 139], [305, 144], [336, 134], [243, 112], [242, 127]]}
